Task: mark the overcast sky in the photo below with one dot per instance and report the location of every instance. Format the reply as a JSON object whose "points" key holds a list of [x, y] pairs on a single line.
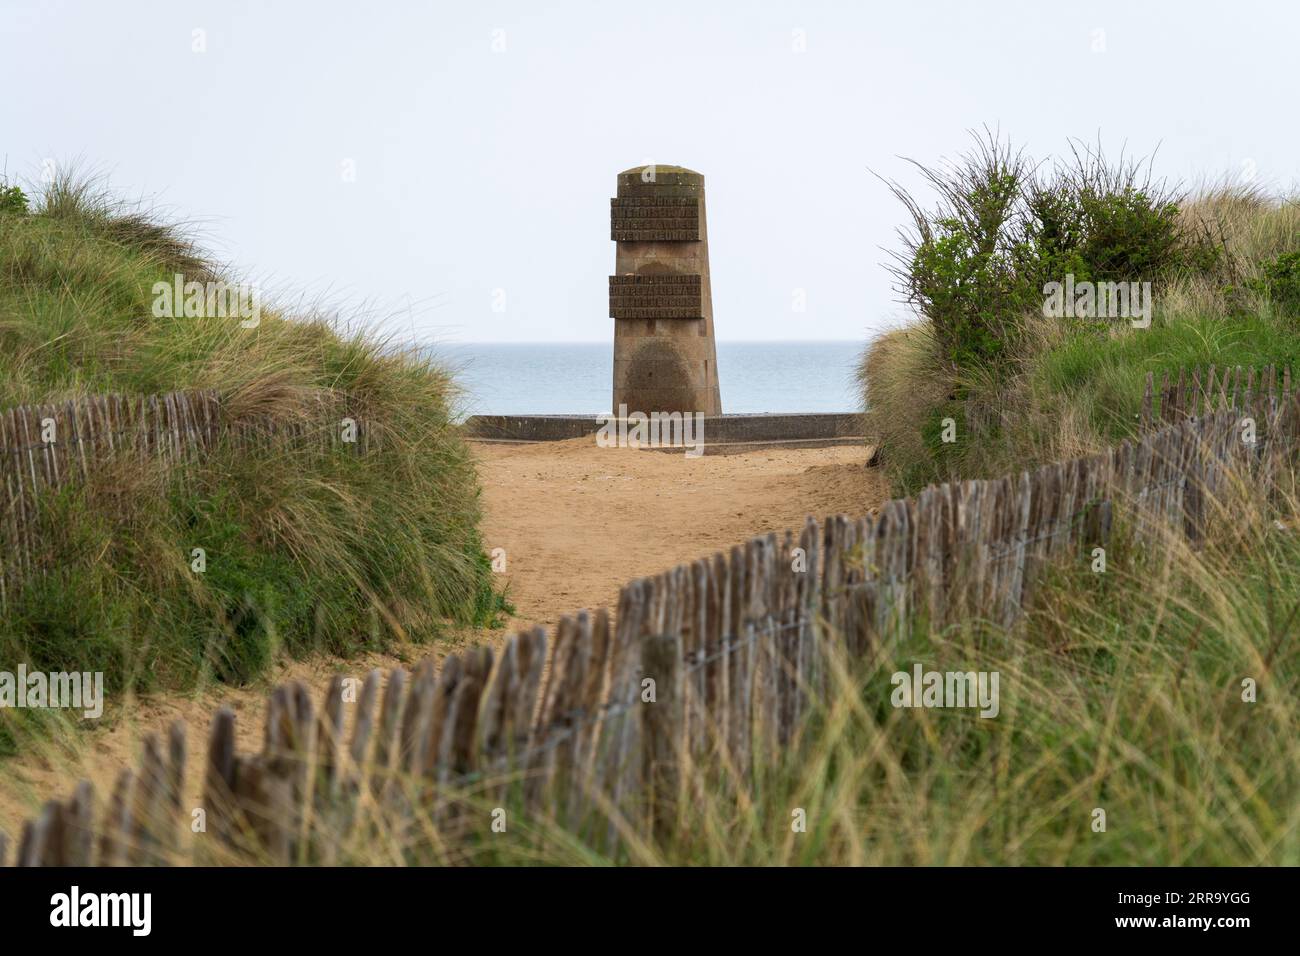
{"points": [[412, 159]]}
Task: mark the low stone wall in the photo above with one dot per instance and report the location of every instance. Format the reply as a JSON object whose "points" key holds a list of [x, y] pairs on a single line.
{"points": [[529, 427], [820, 427]]}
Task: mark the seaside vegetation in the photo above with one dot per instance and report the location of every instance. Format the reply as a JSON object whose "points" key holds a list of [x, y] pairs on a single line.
{"points": [[1224, 267], [309, 547], [1126, 687]]}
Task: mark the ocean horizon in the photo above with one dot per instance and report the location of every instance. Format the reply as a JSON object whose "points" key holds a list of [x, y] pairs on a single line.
{"points": [[576, 378]]}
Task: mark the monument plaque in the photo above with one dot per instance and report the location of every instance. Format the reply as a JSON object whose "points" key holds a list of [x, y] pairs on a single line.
{"points": [[655, 297], [649, 218]]}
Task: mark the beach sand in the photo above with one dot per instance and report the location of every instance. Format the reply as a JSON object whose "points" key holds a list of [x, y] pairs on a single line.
{"points": [[577, 521]]}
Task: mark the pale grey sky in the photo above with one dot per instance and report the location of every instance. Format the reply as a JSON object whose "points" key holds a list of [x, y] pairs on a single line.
{"points": [[485, 136]]}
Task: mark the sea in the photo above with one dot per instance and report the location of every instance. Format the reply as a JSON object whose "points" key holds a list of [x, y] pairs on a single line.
{"points": [[576, 378]]}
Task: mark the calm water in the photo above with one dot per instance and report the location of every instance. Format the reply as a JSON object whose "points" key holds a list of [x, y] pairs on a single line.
{"points": [[577, 378]]}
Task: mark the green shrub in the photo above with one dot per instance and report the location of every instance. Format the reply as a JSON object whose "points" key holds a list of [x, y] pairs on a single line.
{"points": [[975, 265], [959, 266], [12, 200], [1281, 281], [1109, 221], [1077, 385]]}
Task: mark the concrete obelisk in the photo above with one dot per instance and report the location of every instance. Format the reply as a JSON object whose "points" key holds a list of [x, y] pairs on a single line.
{"points": [[665, 359]]}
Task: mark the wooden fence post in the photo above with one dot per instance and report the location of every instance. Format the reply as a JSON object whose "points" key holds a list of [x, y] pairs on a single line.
{"points": [[620, 730], [662, 723]]}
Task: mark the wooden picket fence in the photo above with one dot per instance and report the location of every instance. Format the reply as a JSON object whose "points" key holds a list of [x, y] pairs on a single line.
{"points": [[45, 447], [1198, 391], [737, 646]]}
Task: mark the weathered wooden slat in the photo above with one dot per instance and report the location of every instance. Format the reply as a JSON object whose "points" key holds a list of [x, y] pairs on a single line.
{"points": [[414, 754], [329, 740], [79, 826], [117, 828], [1022, 505], [386, 738], [590, 695], [695, 626], [219, 775], [457, 756], [148, 836], [620, 730], [553, 723], [761, 629], [492, 742], [363, 728], [663, 729], [36, 836], [809, 662]]}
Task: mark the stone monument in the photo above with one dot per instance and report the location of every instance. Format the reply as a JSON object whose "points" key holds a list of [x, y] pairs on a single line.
{"points": [[659, 297]]}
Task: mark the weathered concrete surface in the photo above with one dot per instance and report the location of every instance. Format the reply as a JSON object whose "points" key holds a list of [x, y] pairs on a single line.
{"points": [[742, 447], [837, 427], [661, 300], [529, 428]]}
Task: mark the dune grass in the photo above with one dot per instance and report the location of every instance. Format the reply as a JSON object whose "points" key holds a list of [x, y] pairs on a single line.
{"points": [[1126, 734], [309, 548], [1071, 387], [1124, 690], [1120, 691]]}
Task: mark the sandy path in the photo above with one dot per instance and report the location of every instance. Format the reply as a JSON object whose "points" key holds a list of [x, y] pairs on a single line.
{"points": [[576, 523]]}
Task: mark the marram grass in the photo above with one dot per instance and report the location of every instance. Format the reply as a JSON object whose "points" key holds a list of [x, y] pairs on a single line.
{"points": [[308, 547], [1146, 716]]}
